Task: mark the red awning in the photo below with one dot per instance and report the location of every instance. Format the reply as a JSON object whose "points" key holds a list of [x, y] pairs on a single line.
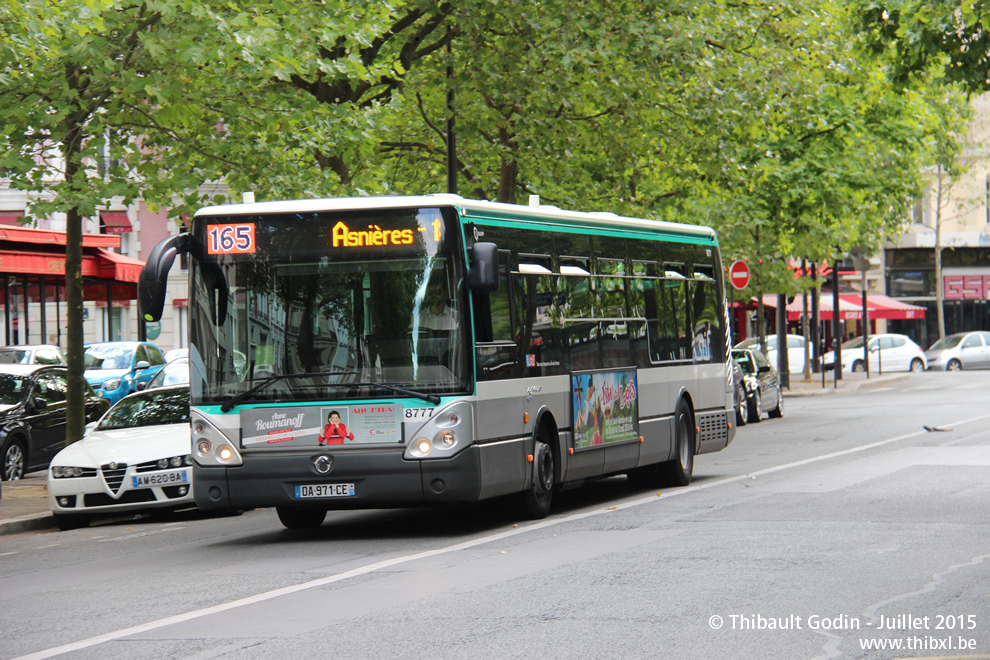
{"points": [[883, 307], [115, 222], [878, 305], [47, 237]]}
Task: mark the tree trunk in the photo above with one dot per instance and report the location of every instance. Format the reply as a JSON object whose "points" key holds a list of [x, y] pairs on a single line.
{"points": [[75, 405], [939, 293]]}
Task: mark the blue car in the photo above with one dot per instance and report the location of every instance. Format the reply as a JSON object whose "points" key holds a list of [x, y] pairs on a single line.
{"points": [[115, 368]]}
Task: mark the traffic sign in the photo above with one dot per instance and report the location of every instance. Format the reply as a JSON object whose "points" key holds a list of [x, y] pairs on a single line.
{"points": [[739, 274]]}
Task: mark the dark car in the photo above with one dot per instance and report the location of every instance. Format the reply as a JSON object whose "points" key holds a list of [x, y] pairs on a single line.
{"points": [[739, 399], [762, 385], [32, 416]]}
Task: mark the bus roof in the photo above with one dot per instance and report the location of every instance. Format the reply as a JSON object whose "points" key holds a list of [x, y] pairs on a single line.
{"points": [[468, 208]]}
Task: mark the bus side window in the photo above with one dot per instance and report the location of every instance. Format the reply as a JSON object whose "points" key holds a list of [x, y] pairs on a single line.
{"points": [[492, 313]]}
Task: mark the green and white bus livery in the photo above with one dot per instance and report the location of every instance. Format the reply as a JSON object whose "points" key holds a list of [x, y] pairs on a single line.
{"points": [[410, 351]]}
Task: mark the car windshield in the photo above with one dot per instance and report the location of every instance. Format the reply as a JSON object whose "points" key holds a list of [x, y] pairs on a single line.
{"points": [[173, 373], [11, 388], [149, 408], [853, 343], [107, 357], [946, 342]]}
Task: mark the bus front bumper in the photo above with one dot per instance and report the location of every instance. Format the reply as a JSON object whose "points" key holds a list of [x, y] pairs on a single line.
{"points": [[355, 480]]}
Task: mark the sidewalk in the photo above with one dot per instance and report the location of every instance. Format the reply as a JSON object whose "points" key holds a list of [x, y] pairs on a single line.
{"points": [[848, 383], [24, 503]]}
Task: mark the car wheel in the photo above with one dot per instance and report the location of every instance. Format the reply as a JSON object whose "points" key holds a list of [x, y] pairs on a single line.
{"points": [[534, 502], [858, 367], [741, 409], [14, 460], [679, 471], [294, 517], [778, 412], [917, 366], [954, 365], [755, 408], [67, 522]]}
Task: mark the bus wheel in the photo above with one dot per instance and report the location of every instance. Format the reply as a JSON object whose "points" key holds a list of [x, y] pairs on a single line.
{"points": [[534, 503], [293, 517], [678, 472]]}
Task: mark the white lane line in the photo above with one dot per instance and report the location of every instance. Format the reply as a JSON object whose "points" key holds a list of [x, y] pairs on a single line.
{"points": [[395, 561]]}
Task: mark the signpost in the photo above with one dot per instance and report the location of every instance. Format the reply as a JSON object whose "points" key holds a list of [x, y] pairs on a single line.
{"points": [[739, 274]]}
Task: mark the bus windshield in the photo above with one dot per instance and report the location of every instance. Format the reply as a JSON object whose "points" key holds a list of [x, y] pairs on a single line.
{"points": [[330, 304]]}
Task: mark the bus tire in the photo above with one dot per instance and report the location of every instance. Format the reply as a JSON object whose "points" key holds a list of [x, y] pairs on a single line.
{"points": [[294, 517], [534, 502], [679, 471]]}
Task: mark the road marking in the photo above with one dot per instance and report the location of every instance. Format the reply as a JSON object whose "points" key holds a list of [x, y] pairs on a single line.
{"points": [[464, 545]]}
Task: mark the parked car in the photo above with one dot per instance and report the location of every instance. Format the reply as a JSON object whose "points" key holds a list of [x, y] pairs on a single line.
{"points": [[762, 384], [795, 351], [32, 416], [176, 353], [115, 368], [963, 350], [175, 372], [137, 458], [739, 399], [32, 354], [888, 352]]}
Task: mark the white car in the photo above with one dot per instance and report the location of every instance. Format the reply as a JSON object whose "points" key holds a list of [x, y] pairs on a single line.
{"points": [[963, 350], [136, 458], [795, 351], [887, 352]]}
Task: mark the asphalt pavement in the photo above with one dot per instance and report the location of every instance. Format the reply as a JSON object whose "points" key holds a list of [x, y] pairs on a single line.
{"points": [[24, 503]]}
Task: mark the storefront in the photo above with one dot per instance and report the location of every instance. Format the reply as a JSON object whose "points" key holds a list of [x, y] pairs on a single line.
{"points": [[32, 282]]}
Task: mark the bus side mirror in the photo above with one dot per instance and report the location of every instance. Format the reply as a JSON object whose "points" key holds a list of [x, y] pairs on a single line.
{"points": [[483, 275], [154, 276]]}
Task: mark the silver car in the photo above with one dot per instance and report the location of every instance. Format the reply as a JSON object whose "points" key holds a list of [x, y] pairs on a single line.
{"points": [[963, 350]]}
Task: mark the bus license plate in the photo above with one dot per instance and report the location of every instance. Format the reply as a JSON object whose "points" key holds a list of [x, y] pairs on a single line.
{"points": [[159, 479], [324, 490]]}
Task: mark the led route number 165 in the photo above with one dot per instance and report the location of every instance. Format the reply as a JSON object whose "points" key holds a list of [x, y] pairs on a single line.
{"points": [[230, 239]]}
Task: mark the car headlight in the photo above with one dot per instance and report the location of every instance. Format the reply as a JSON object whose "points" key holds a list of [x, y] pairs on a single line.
{"points": [[174, 462], [111, 384], [211, 448], [67, 472]]}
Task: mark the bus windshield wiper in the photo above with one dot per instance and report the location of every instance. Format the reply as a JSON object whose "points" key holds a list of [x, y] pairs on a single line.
{"points": [[233, 401]]}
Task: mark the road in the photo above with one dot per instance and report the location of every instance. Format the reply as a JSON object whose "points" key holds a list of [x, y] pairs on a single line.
{"points": [[809, 537]]}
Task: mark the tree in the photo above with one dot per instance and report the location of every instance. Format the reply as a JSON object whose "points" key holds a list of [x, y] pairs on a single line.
{"points": [[915, 36], [120, 99]]}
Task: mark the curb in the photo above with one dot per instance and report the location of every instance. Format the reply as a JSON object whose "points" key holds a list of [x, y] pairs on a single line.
{"points": [[27, 523]]}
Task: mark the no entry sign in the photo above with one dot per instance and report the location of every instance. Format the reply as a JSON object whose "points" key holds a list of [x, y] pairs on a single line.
{"points": [[739, 274]]}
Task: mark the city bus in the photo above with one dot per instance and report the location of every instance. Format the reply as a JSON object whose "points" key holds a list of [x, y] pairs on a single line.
{"points": [[410, 351]]}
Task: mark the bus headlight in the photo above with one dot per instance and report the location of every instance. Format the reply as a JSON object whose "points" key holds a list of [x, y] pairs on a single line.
{"points": [[212, 448], [447, 432]]}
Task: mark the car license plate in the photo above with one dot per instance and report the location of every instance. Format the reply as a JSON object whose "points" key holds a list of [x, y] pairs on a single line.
{"points": [[159, 479], [324, 490]]}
